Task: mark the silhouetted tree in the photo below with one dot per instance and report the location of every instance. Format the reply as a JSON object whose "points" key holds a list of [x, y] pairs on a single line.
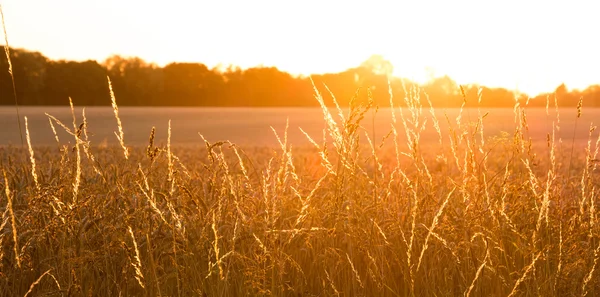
{"points": [[29, 70], [140, 83], [40, 81], [85, 82], [191, 84]]}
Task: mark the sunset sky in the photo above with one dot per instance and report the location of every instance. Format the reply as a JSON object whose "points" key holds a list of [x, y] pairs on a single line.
{"points": [[531, 46]]}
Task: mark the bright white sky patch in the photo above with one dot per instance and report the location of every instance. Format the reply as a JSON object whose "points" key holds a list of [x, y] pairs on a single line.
{"points": [[530, 45]]}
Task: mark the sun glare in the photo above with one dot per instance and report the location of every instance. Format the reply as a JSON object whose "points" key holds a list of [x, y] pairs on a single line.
{"points": [[508, 44]]}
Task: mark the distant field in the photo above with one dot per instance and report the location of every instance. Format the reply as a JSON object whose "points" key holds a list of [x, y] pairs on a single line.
{"points": [[251, 126]]}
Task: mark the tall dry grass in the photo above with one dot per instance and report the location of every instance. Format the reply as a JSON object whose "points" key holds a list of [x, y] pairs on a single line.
{"points": [[468, 214]]}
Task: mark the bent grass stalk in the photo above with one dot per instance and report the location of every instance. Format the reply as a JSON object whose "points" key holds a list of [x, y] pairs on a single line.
{"points": [[37, 282], [434, 223]]}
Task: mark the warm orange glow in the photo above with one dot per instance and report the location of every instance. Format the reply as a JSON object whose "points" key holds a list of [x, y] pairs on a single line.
{"points": [[512, 44]]}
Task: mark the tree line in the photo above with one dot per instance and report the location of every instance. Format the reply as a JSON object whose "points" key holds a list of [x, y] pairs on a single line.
{"points": [[42, 81]]}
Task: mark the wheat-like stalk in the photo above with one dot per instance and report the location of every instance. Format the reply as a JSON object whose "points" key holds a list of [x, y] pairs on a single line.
{"points": [[322, 153], [13, 222], [356, 276], [5, 218], [215, 245], [120, 136], [385, 238], [82, 129], [477, 274], [36, 282], [31, 157], [77, 181], [137, 265], [170, 177], [525, 274], [413, 215], [241, 162], [335, 291], [432, 227], [589, 276], [54, 132], [306, 202]]}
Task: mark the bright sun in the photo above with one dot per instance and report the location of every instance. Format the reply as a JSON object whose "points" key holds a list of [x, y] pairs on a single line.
{"points": [[512, 44]]}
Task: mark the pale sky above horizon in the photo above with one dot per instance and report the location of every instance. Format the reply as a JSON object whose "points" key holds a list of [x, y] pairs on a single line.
{"points": [[532, 46]]}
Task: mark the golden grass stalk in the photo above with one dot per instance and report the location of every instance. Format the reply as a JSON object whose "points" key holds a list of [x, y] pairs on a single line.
{"points": [[218, 259], [546, 201], [152, 203], [377, 166], [170, 177], [284, 163], [413, 214], [5, 217], [54, 132], [322, 153], [340, 113], [260, 243], [334, 131], [560, 255], [137, 265], [10, 71], [393, 124], [36, 282], [335, 291], [585, 176], [524, 276], [13, 221], [31, 157], [215, 242], [67, 129], [174, 215], [151, 151], [454, 140], [149, 194], [312, 229], [356, 276], [589, 276], [220, 158], [436, 123], [385, 239], [432, 227], [183, 168], [372, 273], [120, 136], [532, 178], [306, 202], [153, 264], [592, 212], [241, 163], [77, 181], [445, 244], [82, 129], [266, 178], [477, 274]]}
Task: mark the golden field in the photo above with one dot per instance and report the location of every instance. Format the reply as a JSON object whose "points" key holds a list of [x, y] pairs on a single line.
{"points": [[466, 214]]}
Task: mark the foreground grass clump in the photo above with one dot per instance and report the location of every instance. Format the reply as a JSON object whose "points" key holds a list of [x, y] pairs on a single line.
{"points": [[471, 215]]}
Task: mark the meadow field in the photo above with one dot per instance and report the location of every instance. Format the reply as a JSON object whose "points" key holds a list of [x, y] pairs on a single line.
{"points": [[404, 201]]}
